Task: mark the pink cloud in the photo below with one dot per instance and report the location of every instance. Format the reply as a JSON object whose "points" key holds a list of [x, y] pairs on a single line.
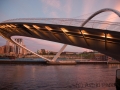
{"points": [[54, 14], [112, 16], [87, 7], [67, 7], [52, 3], [117, 7], [48, 4], [37, 44], [40, 44]]}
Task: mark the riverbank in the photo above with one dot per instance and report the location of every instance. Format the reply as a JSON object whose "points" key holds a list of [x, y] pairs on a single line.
{"points": [[54, 63], [59, 62]]}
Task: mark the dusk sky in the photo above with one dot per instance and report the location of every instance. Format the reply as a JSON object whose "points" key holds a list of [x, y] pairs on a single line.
{"points": [[79, 9]]}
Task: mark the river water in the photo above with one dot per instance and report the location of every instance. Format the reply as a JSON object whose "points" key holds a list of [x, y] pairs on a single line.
{"points": [[58, 77]]}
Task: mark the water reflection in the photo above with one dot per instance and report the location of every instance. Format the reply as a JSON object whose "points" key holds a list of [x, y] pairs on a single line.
{"points": [[114, 66], [43, 77]]}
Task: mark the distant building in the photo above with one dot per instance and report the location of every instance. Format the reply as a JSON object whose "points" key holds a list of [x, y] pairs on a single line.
{"points": [[17, 49], [24, 52], [2, 50], [9, 47], [43, 51], [12, 49], [102, 57], [110, 58], [69, 53]]}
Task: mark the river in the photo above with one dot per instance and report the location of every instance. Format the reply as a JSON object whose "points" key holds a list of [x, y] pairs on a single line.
{"points": [[58, 77]]}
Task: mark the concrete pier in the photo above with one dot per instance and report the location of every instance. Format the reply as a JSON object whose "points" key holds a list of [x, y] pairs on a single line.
{"points": [[62, 63]]}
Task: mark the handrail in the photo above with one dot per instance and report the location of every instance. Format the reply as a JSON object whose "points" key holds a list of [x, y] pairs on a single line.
{"points": [[67, 22]]}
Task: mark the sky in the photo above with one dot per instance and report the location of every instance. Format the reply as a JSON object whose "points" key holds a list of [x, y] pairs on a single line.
{"points": [[78, 9]]}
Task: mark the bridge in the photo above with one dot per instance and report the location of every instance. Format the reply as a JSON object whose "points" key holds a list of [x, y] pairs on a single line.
{"points": [[97, 35]]}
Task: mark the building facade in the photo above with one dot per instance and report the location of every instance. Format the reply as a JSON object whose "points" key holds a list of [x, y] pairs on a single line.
{"points": [[12, 49], [102, 57]]}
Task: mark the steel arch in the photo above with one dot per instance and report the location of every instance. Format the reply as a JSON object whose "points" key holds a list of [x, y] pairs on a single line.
{"points": [[98, 12]]}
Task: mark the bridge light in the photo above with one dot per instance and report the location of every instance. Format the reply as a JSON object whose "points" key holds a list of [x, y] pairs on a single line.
{"points": [[84, 32], [48, 28], [64, 29], [36, 27], [11, 25], [8, 25], [103, 35], [14, 26], [28, 27], [2, 26], [107, 36]]}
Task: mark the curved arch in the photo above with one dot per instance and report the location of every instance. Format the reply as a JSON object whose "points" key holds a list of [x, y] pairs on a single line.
{"points": [[94, 14], [98, 12]]}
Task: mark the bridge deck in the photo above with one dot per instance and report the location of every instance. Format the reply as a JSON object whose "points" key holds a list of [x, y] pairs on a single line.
{"points": [[104, 41]]}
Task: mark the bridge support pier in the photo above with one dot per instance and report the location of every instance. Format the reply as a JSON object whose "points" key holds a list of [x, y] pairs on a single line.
{"points": [[55, 62], [58, 54]]}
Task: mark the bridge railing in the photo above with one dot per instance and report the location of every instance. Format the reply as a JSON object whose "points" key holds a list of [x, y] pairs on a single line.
{"points": [[105, 25]]}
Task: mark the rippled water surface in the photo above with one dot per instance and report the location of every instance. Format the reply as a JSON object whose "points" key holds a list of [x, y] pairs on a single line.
{"points": [[63, 77]]}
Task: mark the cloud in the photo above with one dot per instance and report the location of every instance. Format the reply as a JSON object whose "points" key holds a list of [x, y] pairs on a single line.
{"points": [[87, 7], [54, 7], [54, 14], [52, 3], [46, 43], [112, 17], [37, 44], [117, 7], [51, 7], [67, 7], [3, 17]]}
